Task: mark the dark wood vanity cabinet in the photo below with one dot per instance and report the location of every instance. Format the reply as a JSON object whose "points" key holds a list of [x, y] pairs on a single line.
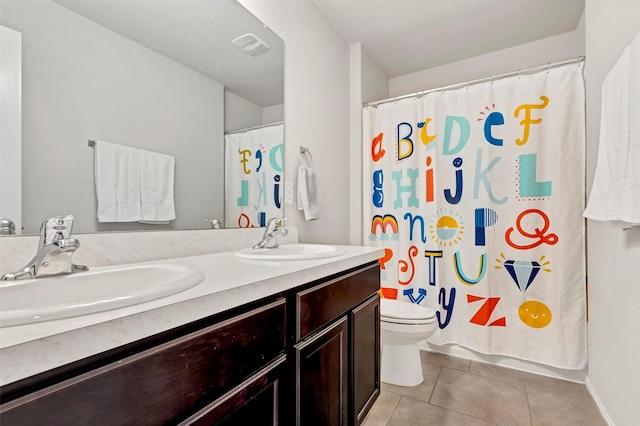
{"points": [[308, 356], [208, 373], [336, 347]]}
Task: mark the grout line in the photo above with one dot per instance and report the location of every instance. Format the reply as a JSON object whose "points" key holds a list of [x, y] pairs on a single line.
{"points": [[393, 410], [526, 395], [435, 384]]}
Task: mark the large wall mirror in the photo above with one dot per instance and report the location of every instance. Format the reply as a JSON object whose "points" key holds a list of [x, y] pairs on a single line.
{"points": [[158, 75]]}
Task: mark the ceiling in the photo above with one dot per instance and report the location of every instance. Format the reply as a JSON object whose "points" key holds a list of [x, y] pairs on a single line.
{"points": [[406, 36]]}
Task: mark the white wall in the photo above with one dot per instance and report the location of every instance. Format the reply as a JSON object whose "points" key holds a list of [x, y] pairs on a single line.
{"points": [[73, 91], [239, 113], [316, 110], [613, 254], [553, 49], [368, 82], [375, 83], [273, 114]]}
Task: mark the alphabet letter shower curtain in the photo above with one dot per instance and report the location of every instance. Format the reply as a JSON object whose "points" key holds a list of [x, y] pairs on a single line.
{"points": [[477, 195], [254, 163]]}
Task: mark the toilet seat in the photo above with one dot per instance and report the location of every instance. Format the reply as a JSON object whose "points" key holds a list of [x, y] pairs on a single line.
{"points": [[397, 312], [406, 321]]}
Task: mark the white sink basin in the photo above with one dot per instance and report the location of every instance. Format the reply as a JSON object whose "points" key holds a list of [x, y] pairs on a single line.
{"points": [[291, 252], [45, 299]]}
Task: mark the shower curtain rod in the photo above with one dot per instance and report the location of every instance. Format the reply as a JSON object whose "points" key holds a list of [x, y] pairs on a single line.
{"points": [[253, 128], [530, 70]]}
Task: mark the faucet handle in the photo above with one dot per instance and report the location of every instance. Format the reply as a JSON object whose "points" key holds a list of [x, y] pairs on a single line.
{"points": [[277, 221], [56, 228], [214, 223]]}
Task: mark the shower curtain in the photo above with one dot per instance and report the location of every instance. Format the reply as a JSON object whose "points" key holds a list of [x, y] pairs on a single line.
{"points": [[254, 164], [476, 194]]}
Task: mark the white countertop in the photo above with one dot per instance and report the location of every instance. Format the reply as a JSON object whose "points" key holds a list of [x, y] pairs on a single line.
{"points": [[229, 282]]}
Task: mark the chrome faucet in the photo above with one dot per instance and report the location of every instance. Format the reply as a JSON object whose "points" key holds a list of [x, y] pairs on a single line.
{"points": [[55, 249], [272, 232]]}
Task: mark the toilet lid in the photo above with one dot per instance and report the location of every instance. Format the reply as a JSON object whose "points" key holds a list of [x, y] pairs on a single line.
{"points": [[391, 308]]}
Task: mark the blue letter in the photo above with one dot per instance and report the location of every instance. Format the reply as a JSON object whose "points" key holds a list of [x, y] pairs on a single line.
{"points": [[528, 185], [465, 131], [494, 119]]}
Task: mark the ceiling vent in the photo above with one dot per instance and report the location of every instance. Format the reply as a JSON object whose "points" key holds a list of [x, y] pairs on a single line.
{"points": [[250, 44]]}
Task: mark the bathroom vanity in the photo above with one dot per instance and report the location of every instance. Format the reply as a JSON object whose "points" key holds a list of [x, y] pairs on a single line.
{"points": [[288, 343]]}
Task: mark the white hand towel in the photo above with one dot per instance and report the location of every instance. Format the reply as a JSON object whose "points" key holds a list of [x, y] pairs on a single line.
{"points": [[156, 187], [308, 200], [615, 195], [117, 177]]}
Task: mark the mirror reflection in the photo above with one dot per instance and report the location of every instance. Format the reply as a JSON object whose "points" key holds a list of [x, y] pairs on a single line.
{"points": [[158, 76]]}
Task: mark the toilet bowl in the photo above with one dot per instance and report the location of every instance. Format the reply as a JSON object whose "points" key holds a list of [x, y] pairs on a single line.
{"points": [[402, 326]]}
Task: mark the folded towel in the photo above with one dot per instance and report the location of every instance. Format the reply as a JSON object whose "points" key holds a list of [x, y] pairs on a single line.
{"points": [[307, 187], [156, 187], [615, 195], [117, 177]]}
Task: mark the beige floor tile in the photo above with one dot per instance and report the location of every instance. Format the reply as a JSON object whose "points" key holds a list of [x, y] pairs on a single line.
{"points": [[423, 391], [487, 394], [409, 412], [382, 409], [490, 399], [445, 360], [578, 390], [523, 378], [575, 408]]}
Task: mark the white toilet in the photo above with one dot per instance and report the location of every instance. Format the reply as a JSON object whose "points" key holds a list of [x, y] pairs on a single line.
{"points": [[402, 326]]}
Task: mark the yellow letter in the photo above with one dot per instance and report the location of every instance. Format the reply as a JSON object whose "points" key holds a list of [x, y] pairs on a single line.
{"points": [[424, 137], [245, 160], [527, 121]]}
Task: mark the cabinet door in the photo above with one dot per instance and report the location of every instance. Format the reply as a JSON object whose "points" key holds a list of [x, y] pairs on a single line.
{"points": [[256, 402], [321, 377], [365, 341]]}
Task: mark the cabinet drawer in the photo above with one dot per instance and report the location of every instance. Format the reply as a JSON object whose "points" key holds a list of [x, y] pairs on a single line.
{"points": [[325, 302], [254, 402], [168, 381]]}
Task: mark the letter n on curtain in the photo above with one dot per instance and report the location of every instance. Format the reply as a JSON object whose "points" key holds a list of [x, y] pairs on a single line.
{"points": [[477, 195]]}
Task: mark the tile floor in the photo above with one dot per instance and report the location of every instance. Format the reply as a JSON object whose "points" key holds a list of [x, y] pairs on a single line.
{"points": [[458, 391]]}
